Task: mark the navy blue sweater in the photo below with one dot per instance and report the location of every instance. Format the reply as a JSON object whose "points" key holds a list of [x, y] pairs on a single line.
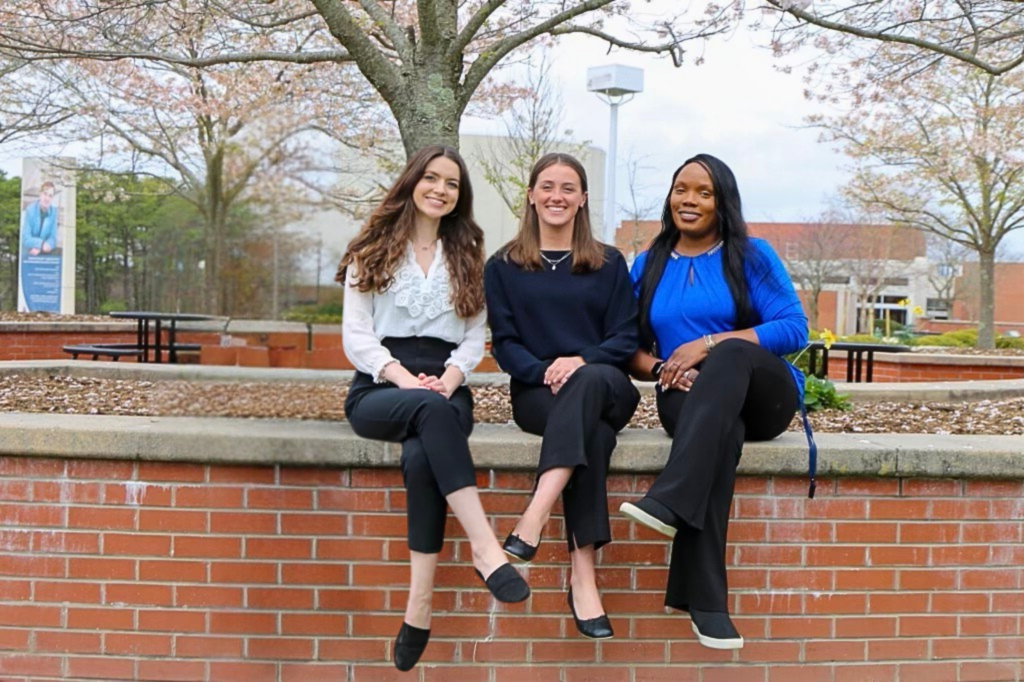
{"points": [[537, 316]]}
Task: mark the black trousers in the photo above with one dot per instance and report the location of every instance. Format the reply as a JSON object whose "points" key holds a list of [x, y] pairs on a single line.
{"points": [[743, 392], [433, 431], [579, 426]]}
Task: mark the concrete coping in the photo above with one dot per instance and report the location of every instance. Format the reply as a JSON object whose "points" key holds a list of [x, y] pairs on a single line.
{"points": [[925, 358], [270, 442], [114, 326]]}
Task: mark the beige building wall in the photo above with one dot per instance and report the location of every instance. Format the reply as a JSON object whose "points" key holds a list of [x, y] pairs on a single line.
{"points": [[330, 231]]}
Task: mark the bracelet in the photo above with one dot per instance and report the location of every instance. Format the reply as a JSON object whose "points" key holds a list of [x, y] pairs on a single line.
{"points": [[709, 342], [656, 369]]}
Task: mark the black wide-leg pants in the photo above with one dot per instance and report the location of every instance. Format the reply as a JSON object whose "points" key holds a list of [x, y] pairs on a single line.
{"points": [[432, 429], [579, 426], [743, 392]]}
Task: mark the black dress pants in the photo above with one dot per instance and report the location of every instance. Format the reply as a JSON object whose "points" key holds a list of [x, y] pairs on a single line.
{"points": [[579, 426], [432, 429], [743, 392]]}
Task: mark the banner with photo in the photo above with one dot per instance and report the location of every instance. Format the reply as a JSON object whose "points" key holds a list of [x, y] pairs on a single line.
{"points": [[46, 272]]}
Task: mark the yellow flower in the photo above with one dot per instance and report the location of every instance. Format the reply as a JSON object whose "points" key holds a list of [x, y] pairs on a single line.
{"points": [[828, 337], [904, 303], [918, 310]]}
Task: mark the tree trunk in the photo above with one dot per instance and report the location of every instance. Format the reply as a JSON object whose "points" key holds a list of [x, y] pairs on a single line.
{"points": [[987, 316], [428, 113], [813, 307]]}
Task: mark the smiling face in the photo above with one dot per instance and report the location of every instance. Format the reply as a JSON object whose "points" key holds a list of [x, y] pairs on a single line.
{"points": [[46, 198], [437, 192], [557, 196], [692, 203]]}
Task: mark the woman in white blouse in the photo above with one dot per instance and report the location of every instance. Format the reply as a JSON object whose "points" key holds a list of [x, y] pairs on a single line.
{"points": [[414, 329]]}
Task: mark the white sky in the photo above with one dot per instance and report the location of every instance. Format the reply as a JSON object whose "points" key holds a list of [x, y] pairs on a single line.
{"points": [[736, 106]]}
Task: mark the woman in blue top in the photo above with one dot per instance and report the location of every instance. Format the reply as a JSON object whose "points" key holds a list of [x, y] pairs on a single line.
{"points": [[717, 310]]}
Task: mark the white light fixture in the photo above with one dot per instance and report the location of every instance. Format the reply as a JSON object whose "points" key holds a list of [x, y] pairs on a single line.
{"points": [[615, 84]]}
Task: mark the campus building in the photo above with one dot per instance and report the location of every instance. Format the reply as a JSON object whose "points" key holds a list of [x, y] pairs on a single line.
{"points": [[330, 231], [866, 273]]}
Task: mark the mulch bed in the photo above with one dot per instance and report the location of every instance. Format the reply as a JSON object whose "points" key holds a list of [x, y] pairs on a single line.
{"points": [[325, 401]]}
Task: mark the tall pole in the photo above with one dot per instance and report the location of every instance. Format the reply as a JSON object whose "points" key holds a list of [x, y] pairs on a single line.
{"points": [[609, 172]]}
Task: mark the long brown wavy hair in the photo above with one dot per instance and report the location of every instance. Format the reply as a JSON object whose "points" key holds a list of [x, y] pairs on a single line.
{"points": [[588, 254], [380, 247]]}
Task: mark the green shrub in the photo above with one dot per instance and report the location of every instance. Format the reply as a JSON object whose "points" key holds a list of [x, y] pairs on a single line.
{"points": [[111, 305], [821, 394], [968, 336], [325, 313], [1010, 342], [800, 360], [965, 338], [861, 338]]}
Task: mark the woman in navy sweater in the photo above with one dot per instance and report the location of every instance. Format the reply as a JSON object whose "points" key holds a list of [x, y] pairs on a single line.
{"points": [[564, 326], [717, 310]]}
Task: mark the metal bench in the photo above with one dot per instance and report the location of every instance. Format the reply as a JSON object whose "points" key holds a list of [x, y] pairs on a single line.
{"points": [[114, 351], [855, 358]]}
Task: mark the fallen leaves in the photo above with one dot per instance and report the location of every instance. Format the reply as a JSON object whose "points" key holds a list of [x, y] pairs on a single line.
{"points": [[325, 401]]}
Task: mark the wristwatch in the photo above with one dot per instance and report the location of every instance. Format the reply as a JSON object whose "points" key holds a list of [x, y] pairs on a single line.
{"points": [[656, 369]]}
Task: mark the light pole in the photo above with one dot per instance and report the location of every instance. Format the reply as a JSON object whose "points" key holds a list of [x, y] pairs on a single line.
{"points": [[615, 84]]}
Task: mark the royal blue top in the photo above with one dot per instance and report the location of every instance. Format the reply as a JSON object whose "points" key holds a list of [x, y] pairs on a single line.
{"points": [[537, 316], [686, 308]]}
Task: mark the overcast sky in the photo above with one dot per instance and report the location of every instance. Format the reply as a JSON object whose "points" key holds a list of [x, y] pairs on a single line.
{"points": [[736, 106]]}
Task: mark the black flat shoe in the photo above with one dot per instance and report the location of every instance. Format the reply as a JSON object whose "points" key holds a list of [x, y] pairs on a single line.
{"points": [[715, 630], [506, 584], [519, 548], [653, 514], [409, 646], [594, 628]]}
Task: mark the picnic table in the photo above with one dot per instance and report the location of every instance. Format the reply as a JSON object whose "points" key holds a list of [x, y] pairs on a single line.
{"points": [[156, 332], [856, 362]]}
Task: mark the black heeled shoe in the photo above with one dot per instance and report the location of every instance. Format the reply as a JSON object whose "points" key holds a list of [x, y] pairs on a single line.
{"points": [[506, 584], [409, 646], [594, 628], [519, 548]]}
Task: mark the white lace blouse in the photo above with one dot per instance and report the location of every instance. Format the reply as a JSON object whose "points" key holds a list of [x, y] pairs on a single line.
{"points": [[414, 305]]}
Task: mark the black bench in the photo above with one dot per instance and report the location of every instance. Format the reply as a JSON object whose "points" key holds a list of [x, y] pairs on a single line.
{"points": [[855, 360], [114, 351]]}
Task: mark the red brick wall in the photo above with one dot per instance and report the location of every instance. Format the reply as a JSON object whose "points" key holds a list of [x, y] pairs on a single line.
{"points": [[50, 345], [150, 571], [922, 371]]}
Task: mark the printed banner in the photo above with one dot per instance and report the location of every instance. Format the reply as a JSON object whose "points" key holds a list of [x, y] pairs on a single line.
{"points": [[46, 281]]}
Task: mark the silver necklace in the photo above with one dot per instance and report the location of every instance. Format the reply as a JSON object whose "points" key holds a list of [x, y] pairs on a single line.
{"points": [[710, 252], [554, 263]]}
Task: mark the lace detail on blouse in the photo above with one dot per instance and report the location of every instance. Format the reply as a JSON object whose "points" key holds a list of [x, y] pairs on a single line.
{"points": [[428, 296]]}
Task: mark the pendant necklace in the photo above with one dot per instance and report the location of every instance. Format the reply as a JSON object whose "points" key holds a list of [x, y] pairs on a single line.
{"points": [[554, 263]]}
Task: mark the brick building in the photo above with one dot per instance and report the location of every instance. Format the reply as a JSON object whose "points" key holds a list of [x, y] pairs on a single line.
{"points": [[862, 272]]}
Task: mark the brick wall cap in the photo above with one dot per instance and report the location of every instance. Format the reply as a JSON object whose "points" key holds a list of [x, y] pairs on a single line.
{"points": [[921, 358], [307, 443], [264, 326], [938, 391], [117, 326]]}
